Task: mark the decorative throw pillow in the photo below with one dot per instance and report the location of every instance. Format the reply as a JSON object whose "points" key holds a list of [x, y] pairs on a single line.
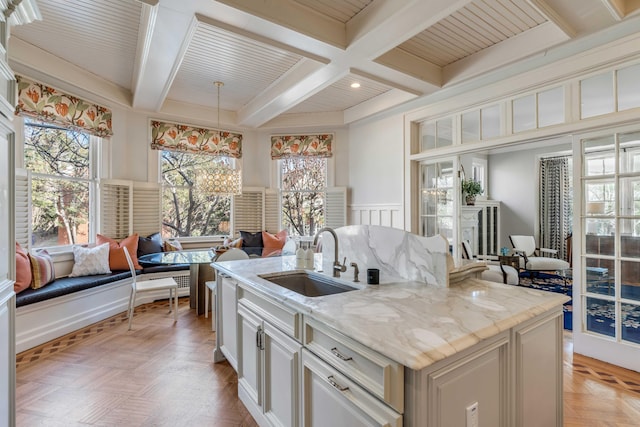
{"points": [[117, 259], [42, 271], [237, 243], [274, 241], [251, 240], [89, 261], [149, 245], [172, 246], [23, 270]]}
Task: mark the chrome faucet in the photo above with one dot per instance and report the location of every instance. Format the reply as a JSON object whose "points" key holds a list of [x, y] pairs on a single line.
{"points": [[337, 267]]}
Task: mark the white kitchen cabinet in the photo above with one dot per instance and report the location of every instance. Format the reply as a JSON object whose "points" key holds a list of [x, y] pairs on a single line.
{"points": [[332, 399], [268, 361], [227, 312]]}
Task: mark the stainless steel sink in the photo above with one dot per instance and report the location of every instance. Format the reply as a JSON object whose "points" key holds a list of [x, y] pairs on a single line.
{"points": [[307, 283]]}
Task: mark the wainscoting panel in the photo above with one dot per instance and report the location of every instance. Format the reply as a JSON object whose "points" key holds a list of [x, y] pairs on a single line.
{"points": [[385, 215]]}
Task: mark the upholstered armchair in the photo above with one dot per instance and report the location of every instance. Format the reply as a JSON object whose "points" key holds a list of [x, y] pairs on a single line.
{"points": [[495, 273], [533, 258]]}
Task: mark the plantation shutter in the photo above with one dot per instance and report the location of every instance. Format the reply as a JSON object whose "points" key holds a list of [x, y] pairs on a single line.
{"points": [[248, 211], [116, 208], [272, 211], [147, 208], [23, 208], [335, 213]]}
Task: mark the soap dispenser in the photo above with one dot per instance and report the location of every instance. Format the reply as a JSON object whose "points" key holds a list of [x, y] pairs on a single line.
{"points": [[308, 257], [300, 259]]}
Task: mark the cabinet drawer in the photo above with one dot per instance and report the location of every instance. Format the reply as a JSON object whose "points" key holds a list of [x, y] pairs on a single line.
{"points": [[332, 399], [287, 320], [380, 375]]}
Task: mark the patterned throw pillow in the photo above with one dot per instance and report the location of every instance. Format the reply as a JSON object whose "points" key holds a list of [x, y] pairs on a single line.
{"points": [[23, 270], [42, 271], [89, 261], [172, 246], [117, 258], [237, 243]]}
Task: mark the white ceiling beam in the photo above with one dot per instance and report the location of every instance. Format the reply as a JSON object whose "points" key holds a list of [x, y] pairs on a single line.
{"points": [[552, 15], [372, 106], [617, 8], [511, 50], [293, 15], [300, 83], [148, 17], [410, 64], [166, 52]]}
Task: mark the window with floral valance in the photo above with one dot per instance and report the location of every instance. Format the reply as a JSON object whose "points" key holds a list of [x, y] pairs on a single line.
{"points": [[47, 104], [191, 139], [285, 146]]}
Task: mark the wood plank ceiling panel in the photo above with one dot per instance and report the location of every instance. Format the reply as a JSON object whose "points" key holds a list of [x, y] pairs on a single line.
{"points": [[475, 27], [100, 36], [340, 95], [246, 68], [340, 10]]}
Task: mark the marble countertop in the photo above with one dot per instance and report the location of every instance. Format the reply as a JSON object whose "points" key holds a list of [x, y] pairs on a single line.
{"points": [[409, 322]]}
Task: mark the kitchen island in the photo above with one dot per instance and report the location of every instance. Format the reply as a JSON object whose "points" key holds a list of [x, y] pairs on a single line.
{"points": [[399, 353]]}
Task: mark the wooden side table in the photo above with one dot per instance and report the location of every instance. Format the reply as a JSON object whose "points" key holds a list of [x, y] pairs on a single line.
{"points": [[512, 260]]}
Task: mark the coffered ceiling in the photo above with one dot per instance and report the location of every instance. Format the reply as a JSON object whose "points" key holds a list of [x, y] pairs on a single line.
{"points": [[288, 60]]}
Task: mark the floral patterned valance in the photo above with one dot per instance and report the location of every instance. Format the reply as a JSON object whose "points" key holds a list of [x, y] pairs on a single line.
{"points": [[48, 104], [176, 137], [283, 146]]}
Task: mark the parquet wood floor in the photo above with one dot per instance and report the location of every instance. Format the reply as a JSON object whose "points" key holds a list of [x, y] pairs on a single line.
{"points": [[161, 374]]}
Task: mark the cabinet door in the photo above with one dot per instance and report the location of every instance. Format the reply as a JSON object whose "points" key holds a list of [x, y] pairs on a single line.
{"points": [[281, 377], [331, 399], [228, 309], [250, 354]]}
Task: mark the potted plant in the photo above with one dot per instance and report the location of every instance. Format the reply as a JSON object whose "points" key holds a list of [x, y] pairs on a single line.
{"points": [[471, 188]]}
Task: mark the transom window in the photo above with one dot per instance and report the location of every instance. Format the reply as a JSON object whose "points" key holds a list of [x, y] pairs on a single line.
{"points": [[188, 211], [62, 183], [303, 182]]}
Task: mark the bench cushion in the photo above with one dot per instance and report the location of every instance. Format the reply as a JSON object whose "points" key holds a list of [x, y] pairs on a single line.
{"points": [[67, 285]]}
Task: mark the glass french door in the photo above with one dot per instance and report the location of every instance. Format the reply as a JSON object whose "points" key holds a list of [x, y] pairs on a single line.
{"points": [[610, 249], [437, 196]]}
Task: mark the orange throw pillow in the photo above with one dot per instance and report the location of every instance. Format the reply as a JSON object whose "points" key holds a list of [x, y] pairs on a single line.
{"points": [[23, 270], [274, 241], [117, 259]]}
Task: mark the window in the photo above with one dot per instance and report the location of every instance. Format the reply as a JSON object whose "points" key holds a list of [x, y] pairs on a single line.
{"points": [[436, 134], [186, 211], [62, 184], [303, 182]]}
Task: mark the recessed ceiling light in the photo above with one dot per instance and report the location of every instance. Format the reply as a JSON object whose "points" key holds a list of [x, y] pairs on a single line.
{"points": [[355, 85]]}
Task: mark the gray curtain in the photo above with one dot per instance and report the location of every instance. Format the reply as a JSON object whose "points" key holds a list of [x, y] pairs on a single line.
{"points": [[555, 204]]}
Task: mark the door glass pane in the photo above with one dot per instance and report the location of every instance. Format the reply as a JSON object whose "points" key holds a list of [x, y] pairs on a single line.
{"points": [[600, 197], [429, 226], [599, 156], [551, 107], [601, 316], [631, 323], [444, 132], [628, 88], [490, 122], [630, 152], [630, 196], [427, 136], [600, 276], [630, 279], [471, 126], [524, 113], [596, 95]]}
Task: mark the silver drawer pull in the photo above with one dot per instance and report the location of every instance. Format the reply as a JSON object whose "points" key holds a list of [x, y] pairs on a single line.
{"points": [[333, 382], [339, 355]]}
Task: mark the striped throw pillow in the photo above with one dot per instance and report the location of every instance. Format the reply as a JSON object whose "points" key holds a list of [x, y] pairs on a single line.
{"points": [[42, 271]]}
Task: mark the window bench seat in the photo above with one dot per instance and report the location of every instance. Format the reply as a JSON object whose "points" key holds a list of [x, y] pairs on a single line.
{"points": [[71, 303]]}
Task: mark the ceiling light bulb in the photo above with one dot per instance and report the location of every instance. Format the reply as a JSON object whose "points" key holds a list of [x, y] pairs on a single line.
{"points": [[355, 85]]}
